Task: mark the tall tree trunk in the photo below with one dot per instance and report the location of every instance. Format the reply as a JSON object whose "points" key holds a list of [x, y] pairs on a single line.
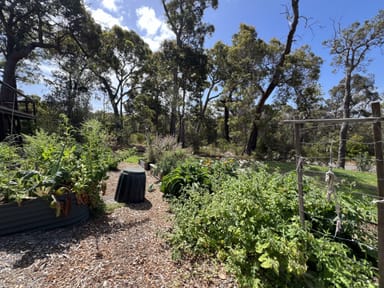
{"points": [[275, 81], [342, 152], [342, 145], [181, 135], [175, 95], [8, 97], [157, 113], [252, 140], [112, 99], [226, 122], [172, 124]]}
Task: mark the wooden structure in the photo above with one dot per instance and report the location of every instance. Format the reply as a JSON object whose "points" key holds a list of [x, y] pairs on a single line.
{"points": [[14, 114], [379, 156]]}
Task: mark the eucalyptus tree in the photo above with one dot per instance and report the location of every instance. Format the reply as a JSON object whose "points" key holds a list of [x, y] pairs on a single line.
{"points": [[185, 19], [257, 69], [272, 79], [119, 65], [350, 47], [151, 102], [217, 88], [71, 89], [300, 79], [363, 92], [245, 59], [28, 27]]}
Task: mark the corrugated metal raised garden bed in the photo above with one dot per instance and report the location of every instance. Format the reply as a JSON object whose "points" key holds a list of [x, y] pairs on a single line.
{"points": [[36, 214]]}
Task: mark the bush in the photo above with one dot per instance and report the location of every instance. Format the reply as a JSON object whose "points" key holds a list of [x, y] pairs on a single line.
{"points": [[175, 183], [137, 138], [250, 222], [169, 160], [158, 146]]}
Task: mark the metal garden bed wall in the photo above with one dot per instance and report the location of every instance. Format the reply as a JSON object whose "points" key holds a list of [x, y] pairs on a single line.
{"points": [[36, 214]]}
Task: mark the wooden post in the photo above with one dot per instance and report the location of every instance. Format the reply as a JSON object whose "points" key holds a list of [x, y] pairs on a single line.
{"points": [[380, 188], [299, 170]]}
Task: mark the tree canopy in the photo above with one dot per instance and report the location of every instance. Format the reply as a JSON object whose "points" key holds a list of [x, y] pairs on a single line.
{"points": [[231, 94], [30, 28]]}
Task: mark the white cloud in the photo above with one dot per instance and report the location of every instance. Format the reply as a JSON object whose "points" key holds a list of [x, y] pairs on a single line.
{"points": [[156, 31], [105, 19], [109, 4], [147, 20]]}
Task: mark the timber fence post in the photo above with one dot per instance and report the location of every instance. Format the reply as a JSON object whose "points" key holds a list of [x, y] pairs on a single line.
{"points": [[380, 188]]}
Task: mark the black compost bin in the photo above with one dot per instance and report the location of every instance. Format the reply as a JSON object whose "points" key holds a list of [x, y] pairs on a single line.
{"points": [[131, 186]]}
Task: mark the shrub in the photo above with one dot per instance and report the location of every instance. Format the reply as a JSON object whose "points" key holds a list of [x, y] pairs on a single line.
{"points": [[175, 183], [158, 146], [137, 138], [250, 222], [169, 160]]}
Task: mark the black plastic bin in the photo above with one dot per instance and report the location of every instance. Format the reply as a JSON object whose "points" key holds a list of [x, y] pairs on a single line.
{"points": [[131, 186]]}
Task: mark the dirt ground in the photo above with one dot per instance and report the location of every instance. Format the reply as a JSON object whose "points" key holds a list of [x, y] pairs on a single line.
{"points": [[125, 248]]}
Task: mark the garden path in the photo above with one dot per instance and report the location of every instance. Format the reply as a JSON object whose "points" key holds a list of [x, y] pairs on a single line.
{"points": [[125, 248]]}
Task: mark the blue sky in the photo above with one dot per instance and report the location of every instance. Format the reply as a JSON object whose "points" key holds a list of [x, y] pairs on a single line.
{"points": [[147, 19]]}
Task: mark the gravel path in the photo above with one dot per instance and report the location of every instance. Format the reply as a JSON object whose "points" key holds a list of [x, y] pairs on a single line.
{"points": [[123, 249]]}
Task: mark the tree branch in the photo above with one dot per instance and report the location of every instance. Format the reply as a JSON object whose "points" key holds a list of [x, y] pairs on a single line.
{"points": [[279, 67]]}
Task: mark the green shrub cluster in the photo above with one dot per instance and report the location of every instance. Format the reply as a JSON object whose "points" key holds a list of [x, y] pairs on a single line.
{"points": [[48, 165], [169, 160], [191, 173], [156, 147], [249, 220]]}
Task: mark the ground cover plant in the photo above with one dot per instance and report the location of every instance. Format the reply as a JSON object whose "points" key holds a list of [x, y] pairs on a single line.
{"points": [[248, 220]]}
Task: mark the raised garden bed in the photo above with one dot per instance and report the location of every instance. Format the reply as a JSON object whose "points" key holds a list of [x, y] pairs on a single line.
{"points": [[36, 214]]}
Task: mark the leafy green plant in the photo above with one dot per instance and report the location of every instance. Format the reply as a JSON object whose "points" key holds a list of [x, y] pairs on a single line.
{"points": [[185, 175], [56, 163], [92, 165], [136, 138], [251, 223], [9, 160]]}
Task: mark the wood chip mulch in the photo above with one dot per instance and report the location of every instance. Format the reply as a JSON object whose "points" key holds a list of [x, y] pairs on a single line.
{"points": [[126, 248]]}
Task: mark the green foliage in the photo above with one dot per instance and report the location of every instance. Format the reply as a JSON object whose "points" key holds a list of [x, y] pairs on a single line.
{"points": [[137, 138], [169, 160], [250, 222], [356, 145], [126, 155], [119, 65], [54, 164], [9, 159], [159, 145], [93, 163], [175, 183], [132, 159], [222, 146], [364, 162]]}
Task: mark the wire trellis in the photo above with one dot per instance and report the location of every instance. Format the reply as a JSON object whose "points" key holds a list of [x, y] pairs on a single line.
{"points": [[316, 144]]}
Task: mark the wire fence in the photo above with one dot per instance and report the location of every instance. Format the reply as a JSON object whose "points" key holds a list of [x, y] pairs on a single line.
{"points": [[317, 158]]}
